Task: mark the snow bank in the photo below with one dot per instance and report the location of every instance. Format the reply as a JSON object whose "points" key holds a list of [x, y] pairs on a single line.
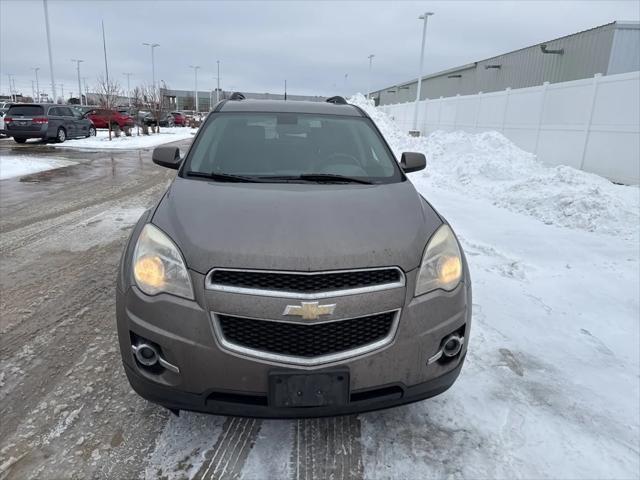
{"points": [[488, 165], [19, 165], [101, 140]]}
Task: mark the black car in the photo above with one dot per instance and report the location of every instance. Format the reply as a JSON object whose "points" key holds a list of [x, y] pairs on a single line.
{"points": [[46, 121]]}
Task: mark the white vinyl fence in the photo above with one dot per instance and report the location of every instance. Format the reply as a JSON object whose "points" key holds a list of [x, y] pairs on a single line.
{"points": [[591, 124]]}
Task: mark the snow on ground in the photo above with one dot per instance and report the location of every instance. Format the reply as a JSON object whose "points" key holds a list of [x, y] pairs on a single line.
{"points": [[19, 165], [551, 385], [488, 165], [101, 140]]}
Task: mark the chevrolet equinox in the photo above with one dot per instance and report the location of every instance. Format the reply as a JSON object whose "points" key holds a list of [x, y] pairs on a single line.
{"points": [[291, 269]]}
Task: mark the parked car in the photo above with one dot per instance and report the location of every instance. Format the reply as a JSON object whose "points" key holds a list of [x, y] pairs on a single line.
{"points": [[179, 120], [146, 118], [291, 270], [3, 112], [102, 117], [46, 121]]}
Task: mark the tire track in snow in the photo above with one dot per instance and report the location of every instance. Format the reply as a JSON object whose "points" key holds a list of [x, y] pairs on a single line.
{"points": [[327, 448], [228, 456]]}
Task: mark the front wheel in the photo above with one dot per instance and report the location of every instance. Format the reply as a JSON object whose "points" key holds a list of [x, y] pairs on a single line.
{"points": [[92, 132], [61, 136], [20, 140]]}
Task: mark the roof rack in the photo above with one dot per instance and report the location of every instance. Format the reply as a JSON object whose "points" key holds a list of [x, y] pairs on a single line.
{"points": [[337, 100], [237, 96]]}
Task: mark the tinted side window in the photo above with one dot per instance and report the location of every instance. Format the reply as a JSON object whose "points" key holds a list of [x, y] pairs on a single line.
{"points": [[65, 111], [54, 112]]}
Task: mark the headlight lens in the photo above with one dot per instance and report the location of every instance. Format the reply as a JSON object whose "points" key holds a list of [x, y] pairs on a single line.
{"points": [[158, 265], [441, 266]]}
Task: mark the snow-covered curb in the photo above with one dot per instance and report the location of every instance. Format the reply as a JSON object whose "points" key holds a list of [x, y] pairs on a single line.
{"points": [[20, 165], [488, 165], [101, 140]]}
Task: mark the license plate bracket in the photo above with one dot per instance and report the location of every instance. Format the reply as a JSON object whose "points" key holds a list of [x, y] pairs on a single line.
{"points": [[319, 389]]}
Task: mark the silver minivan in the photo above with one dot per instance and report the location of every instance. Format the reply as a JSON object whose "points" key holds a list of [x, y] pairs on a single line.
{"points": [[47, 122]]}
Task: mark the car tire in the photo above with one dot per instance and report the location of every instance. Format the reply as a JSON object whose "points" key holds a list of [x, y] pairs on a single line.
{"points": [[92, 132], [61, 135], [19, 140]]}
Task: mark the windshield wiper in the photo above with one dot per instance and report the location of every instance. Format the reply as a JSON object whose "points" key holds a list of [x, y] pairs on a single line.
{"points": [[223, 177], [320, 177]]}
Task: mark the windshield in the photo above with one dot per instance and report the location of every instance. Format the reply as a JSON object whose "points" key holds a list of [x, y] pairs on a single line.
{"points": [[281, 146]]}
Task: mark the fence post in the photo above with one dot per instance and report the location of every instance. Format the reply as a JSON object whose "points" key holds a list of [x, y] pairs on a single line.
{"points": [[587, 125], [440, 112], [475, 123], [545, 86], [455, 118], [506, 106]]}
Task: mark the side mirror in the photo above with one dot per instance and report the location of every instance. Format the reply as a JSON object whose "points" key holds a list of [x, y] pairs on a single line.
{"points": [[167, 157], [412, 162]]}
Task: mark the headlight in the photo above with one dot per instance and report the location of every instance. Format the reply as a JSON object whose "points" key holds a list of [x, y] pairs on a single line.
{"points": [[441, 266], [158, 266]]}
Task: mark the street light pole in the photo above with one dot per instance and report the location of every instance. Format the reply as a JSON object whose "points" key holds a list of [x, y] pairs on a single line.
{"points": [[195, 70], [128, 75], [425, 18], [46, 23], [370, 57], [86, 91], [35, 69], [79, 84], [153, 62], [218, 87]]}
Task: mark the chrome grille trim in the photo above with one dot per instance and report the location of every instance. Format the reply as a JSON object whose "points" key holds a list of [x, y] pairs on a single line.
{"points": [[305, 362], [209, 285]]}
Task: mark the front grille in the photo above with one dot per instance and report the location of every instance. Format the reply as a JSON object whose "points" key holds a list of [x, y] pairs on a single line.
{"points": [[305, 283], [306, 341]]}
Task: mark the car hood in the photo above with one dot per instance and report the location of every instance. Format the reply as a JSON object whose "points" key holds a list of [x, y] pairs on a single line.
{"points": [[291, 226]]}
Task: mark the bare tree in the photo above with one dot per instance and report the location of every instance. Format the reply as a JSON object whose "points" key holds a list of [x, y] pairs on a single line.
{"points": [[108, 93], [155, 102]]}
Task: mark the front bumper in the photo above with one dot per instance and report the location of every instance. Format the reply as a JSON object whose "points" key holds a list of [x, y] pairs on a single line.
{"points": [[243, 405], [214, 379]]}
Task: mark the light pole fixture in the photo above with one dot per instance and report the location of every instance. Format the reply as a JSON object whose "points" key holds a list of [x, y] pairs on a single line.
{"points": [[370, 57], [218, 84], [195, 71], [46, 24], [152, 46], [425, 18], [128, 75], [35, 69], [78, 62]]}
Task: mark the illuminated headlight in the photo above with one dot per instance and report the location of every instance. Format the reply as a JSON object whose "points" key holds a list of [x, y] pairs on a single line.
{"points": [[158, 266], [441, 266]]}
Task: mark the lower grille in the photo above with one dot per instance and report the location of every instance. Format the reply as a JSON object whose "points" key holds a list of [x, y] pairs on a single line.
{"points": [[307, 341]]}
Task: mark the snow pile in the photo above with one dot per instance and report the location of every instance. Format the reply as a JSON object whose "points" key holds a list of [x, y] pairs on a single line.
{"points": [[489, 165], [101, 140], [19, 165]]}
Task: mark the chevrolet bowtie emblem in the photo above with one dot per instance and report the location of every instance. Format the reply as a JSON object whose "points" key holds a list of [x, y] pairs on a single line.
{"points": [[309, 310]]}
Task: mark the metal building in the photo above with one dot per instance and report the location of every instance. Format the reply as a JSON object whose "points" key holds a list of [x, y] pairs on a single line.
{"points": [[185, 99], [607, 49]]}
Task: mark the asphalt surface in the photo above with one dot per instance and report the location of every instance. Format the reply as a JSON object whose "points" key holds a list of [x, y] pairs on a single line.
{"points": [[66, 408]]}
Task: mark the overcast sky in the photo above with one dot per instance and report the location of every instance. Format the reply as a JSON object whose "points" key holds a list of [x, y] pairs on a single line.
{"points": [[260, 44]]}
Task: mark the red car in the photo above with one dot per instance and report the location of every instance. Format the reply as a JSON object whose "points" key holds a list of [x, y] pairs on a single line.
{"points": [[101, 118], [179, 120]]}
